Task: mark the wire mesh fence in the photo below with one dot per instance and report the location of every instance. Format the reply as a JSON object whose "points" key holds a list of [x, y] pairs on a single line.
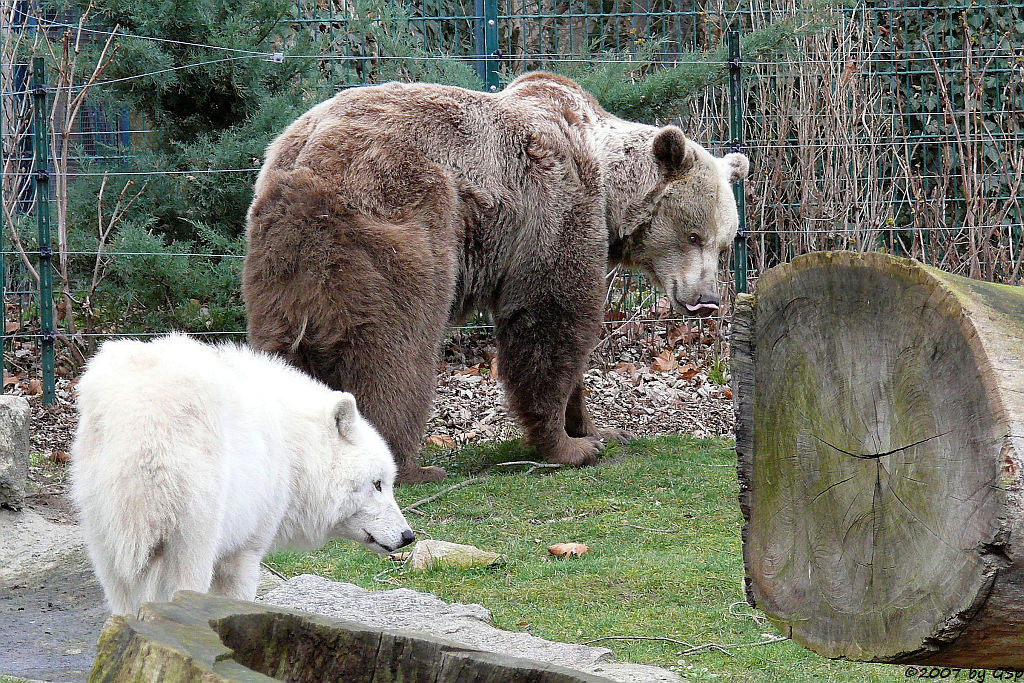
{"points": [[892, 127]]}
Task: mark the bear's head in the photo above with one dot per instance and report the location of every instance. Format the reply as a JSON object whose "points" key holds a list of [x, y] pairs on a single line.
{"points": [[363, 479], [680, 229]]}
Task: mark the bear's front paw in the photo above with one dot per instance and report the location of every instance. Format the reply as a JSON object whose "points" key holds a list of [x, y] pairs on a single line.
{"points": [[576, 452], [420, 475]]}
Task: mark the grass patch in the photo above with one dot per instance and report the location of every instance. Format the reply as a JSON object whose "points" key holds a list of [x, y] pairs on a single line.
{"points": [[663, 526]]}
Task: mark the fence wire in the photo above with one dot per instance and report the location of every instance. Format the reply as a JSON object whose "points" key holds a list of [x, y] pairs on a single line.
{"points": [[893, 128]]}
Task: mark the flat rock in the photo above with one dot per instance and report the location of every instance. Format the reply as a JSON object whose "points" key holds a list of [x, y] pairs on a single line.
{"points": [[469, 625], [198, 637], [14, 420]]}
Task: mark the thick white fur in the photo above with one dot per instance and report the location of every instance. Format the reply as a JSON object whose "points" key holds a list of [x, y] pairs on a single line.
{"points": [[192, 461]]}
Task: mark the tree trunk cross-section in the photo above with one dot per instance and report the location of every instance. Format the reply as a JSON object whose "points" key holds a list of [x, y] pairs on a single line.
{"points": [[880, 437]]}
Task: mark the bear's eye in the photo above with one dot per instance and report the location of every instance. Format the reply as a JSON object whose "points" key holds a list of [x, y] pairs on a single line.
{"points": [[694, 239], [376, 484]]}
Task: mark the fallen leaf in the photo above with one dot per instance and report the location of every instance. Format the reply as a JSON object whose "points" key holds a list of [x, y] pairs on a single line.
{"points": [[614, 316], [664, 362], [471, 370], [400, 557], [442, 440], [628, 369], [59, 457], [12, 326], [494, 368], [727, 392], [11, 379], [522, 623], [35, 386], [568, 549], [688, 371], [680, 334]]}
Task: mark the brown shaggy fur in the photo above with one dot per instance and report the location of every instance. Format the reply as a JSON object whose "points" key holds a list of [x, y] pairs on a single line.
{"points": [[388, 212]]}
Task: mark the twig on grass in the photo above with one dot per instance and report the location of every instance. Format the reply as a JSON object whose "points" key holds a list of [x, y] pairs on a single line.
{"points": [[732, 646], [693, 649], [756, 618], [442, 492], [535, 465], [660, 531], [658, 638], [378, 577], [430, 499], [273, 571]]}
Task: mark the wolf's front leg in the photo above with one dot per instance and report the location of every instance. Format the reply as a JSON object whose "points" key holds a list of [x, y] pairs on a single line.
{"points": [[238, 575]]}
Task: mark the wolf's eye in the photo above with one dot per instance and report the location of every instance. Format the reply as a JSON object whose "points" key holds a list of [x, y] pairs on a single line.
{"points": [[376, 484], [694, 239]]}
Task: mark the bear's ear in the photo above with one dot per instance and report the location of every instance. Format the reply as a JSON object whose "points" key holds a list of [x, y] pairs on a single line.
{"points": [[670, 150], [738, 165], [344, 413]]}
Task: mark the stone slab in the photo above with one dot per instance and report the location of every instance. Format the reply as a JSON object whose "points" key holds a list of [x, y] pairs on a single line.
{"points": [[214, 639], [469, 625], [14, 420]]}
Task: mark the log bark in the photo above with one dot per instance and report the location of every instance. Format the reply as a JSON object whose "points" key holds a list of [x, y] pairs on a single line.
{"points": [[880, 438]]}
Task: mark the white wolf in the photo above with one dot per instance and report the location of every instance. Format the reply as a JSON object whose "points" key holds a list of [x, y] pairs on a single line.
{"points": [[191, 462]]}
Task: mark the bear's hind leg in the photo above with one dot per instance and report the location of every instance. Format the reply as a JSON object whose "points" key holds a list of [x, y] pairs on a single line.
{"points": [[406, 419], [541, 365], [579, 423]]}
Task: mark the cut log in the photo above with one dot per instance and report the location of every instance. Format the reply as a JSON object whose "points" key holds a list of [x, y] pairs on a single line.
{"points": [[880, 438]]}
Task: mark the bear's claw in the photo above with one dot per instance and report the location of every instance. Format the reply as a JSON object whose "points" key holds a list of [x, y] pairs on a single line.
{"points": [[620, 435]]}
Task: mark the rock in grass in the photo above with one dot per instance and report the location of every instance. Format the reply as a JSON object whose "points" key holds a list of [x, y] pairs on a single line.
{"points": [[430, 553], [14, 418]]}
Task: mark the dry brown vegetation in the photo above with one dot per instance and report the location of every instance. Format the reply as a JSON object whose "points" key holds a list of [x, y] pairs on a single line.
{"points": [[889, 131]]}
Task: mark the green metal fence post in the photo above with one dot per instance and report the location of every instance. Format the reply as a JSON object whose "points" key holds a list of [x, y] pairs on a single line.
{"points": [[3, 258], [739, 249], [42, 183], [486, 37]]}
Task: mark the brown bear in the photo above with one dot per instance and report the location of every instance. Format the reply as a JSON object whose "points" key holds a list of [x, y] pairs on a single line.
{"points": [[387, 213]]}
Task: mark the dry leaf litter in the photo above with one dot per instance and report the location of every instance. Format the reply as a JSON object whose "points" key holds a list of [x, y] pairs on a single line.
{"points": [[647, 379]]}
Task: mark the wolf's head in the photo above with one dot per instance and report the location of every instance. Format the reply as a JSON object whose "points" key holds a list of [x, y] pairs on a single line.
{"points": [[368, 511]]}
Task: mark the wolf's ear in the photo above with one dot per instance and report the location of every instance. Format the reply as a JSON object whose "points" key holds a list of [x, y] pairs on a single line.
{"points": [[670, 151], [344, 413], [738, 165]]}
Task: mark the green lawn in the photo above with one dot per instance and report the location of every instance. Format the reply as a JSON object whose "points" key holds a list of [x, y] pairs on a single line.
{"points": [[663, 526]]}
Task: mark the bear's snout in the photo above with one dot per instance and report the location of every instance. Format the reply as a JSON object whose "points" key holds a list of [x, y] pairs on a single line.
{"points": [[407, 537], [707, 304]]}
